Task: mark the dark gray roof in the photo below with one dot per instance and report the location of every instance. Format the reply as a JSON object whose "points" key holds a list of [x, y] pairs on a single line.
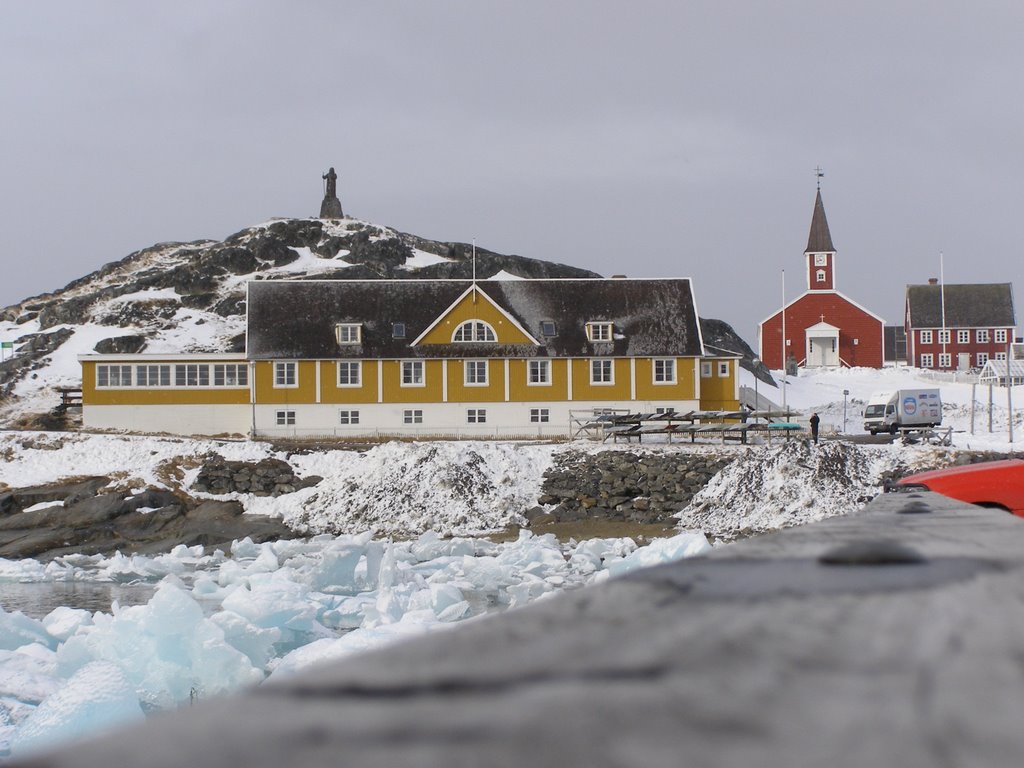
{"points": [[979, 305], [819, 240], [295, 319]]}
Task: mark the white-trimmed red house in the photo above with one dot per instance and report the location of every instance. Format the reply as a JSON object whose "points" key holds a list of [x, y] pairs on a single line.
{"points": [[823, 328], [958, 327]]}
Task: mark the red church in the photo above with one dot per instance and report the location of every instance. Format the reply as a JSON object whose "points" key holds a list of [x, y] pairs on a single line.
{"points": [[822, 327]]}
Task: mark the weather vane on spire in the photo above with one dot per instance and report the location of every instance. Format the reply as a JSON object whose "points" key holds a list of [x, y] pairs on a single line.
{"points": [[819, 173]]}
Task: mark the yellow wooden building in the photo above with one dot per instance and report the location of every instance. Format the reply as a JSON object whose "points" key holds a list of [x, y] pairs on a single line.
{"points": [[429, 358]]}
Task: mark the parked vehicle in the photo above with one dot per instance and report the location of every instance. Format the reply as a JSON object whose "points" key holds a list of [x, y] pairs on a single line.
{"points": [[905, 408], [998, 484]]}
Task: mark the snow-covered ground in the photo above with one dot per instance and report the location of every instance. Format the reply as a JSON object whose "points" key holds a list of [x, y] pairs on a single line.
{"points": [[220, 620]]}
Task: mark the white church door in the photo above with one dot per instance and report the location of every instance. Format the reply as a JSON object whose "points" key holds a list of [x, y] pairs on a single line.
{"points": [[822, 346]]}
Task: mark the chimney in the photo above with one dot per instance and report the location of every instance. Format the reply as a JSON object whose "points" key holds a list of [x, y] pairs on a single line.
{"points": [[933, 281]]}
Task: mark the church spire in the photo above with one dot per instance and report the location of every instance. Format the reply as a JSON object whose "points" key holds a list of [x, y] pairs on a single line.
{"points": [[819, 240]]}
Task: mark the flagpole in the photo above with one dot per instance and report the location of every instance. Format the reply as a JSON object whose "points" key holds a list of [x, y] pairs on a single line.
{"points": [[784, 338], [942, 298]]}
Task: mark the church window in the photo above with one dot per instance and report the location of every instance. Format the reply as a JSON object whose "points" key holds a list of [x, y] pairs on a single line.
{"points": [[820, 275]]}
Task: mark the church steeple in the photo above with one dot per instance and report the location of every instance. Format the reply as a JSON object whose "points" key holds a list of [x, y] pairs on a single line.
{"points": [[820, 239], [820, 252]]}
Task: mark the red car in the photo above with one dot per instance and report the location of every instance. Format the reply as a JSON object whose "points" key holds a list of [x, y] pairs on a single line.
{"points": [[998, 484]]}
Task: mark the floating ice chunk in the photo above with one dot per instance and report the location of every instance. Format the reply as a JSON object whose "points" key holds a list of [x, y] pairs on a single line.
{"points": [[659, 551], [17, 629], [22, 570], [27, 676], [274, 603], [346, 612], [255, 642], [96, 698], [336, 571], [167, 649], [63, 622]]}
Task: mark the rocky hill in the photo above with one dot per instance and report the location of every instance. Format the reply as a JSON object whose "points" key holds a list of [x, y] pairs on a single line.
{"points": [[190, 297]]}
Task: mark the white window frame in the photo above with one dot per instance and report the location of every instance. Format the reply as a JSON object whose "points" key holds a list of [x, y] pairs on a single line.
{"points": [[412, 416], [999, 336], [981, 358], [144, 375], [474, 332], [706, 369], [285, 418], [927, 360], [411, 366], [104, 379], [286, 374], [667, 374], [999, 356], [820, 276], [602, 366], [348, 334], [350, 365], [230, 375], [348, 417], [476, 416], [945, 359], [192, 375], [539, 370], [723, 368], [540, 415], [944, 337], [600, 331], [963, 337], [471, 370], [926, 337], [981, 335]]}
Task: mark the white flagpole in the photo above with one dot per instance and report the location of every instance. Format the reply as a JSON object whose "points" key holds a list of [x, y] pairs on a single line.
{"points": [[942, 298], [784, 339]]}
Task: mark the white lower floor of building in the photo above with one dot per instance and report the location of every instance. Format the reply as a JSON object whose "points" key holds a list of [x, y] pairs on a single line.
{"points": [[207, 420], [495, 420], [371, 420]]}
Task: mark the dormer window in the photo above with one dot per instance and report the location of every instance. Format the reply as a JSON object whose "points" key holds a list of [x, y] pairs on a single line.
{"points": [[474, 330], [820, 275], [398, 330], [348, 333], [599, 331], [548, 328]]}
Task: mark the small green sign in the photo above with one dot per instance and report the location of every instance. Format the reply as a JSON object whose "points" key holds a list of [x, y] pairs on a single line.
{"points": [[6, 345]]}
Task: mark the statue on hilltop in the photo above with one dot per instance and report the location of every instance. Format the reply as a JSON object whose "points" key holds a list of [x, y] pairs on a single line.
{"points": [[330, 208]]}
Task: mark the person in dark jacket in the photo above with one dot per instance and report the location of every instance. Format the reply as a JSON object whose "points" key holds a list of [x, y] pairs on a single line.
{"points": [[814, 427]]}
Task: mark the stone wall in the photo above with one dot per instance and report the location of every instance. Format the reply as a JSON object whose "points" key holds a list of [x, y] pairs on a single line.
{"points": [[269, 477], [624, 485]]}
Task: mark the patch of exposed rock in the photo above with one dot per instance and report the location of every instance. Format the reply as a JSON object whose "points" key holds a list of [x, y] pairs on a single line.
{"points": [[81, 519], [623, 485], [269, 477]]}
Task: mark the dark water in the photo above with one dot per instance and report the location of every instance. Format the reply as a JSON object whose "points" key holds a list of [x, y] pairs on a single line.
{"points": [[37, 600]]}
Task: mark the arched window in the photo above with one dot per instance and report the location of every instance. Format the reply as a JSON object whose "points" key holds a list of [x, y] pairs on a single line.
{"points": [[821, 275], [474, 330]]}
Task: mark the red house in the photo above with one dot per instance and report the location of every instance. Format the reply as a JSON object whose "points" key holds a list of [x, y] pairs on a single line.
{"points": [[958, 326], [822, 327]]}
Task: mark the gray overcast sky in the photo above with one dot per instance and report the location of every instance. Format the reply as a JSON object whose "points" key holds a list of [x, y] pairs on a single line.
{"points": [[645, 138]]}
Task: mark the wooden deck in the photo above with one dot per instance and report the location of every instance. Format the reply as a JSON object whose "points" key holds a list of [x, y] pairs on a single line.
{"points": [[890, 637]]}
